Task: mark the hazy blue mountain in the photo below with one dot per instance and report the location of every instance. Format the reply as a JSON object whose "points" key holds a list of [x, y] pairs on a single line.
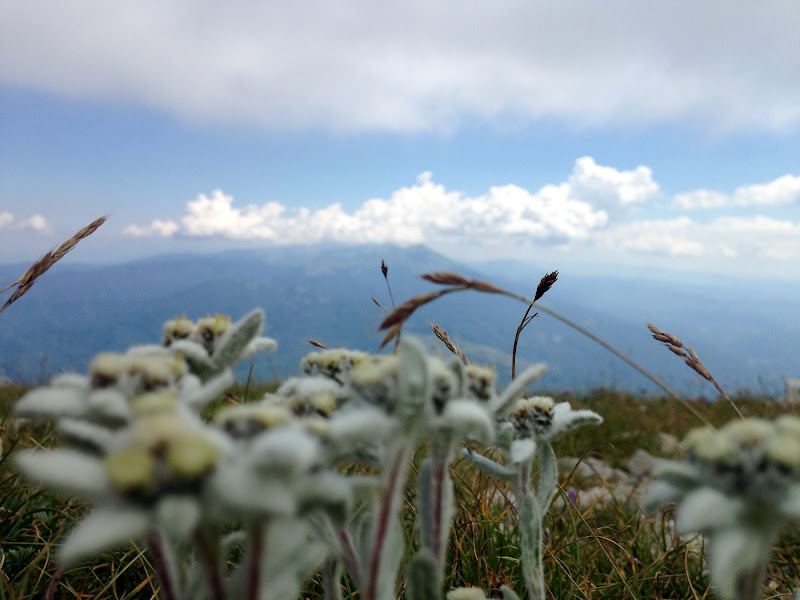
{"points": [[747, 336]]}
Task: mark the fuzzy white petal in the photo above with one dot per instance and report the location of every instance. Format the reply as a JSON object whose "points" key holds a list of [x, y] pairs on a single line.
{"points": [[52, 402], [286, 450], [467, 417], [360, 425], [69, 472], [522, 451], [661, 493], [565, 419], [110, 404], [237, 493], [102, 529], [178, 516], [76, 431], [502, 403], [789, 505], [706, 509]]}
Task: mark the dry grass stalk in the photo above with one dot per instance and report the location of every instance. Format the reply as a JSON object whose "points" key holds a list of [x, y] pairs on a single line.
{"points": [[379, 305], [449, 344], [37, 269], [396, 318], [674, 345], [545, 283], [318, 344]]}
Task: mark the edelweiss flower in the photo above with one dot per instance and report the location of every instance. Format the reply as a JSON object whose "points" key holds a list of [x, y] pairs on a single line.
{"points": [[153, 475], [538, 421], [740, 485], [216, 344], [105, 396]]}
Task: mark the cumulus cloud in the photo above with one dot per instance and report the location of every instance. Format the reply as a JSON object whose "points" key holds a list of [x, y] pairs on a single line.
{"points": [[415, 66], [5, 218], [427, 212], [782, 191], [586, 213]]}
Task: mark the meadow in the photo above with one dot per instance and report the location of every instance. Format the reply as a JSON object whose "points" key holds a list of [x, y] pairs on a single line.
{"points": [[600, 551], [589, 545]]}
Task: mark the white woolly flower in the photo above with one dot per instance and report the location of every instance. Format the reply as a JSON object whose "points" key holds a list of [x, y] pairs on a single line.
{"points": [[740, 485], [108, 394], [216, 344]]}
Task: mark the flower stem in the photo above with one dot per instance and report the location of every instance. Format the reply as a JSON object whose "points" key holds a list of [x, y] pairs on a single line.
{"points": [[210, 560], [257, 533], [387, 510], [164, 564]]}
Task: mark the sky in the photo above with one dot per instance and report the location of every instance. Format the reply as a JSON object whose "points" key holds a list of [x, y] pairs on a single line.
{"points": [[595, 136]]}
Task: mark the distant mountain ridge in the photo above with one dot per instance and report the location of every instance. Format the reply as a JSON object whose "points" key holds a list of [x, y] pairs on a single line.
{"points": [[325, 293]]}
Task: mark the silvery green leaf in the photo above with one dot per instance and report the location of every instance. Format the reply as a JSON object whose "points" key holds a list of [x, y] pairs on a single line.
{"points": [[46, 403], [501, 404], [413, 382], [424, 577], [82, 435], [102, 529], [66, 471], [522, 451], [548, 478], [488, 466], [465, 418], [232, 344], [706, 509], [457, 368], [530, 527]]}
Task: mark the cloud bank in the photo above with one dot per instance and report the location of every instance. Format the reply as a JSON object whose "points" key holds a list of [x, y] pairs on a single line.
{"points": [[596, 209], [359, 65]]}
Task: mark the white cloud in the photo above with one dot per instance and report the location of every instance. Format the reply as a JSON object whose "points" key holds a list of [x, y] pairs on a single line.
{"points": [[427, 212], [359, 65], [586, 214], [753, 237], [783, 191], [156, 228], [5, 218], [37, 223]]}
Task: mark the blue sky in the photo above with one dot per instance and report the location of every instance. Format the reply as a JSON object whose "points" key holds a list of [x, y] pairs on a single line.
{"points": [[590, 136]]}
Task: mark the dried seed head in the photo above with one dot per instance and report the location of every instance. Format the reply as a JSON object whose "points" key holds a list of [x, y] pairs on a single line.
{"points": [[545, 284]]}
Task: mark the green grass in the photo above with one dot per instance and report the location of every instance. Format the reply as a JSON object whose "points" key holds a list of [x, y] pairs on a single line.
{"points": [[601, 552]]}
